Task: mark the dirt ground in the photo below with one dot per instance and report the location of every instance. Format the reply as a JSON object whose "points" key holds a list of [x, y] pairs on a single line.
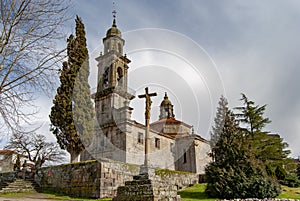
{"points": [[27, 197]]}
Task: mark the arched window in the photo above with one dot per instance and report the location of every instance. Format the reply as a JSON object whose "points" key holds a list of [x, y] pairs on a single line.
{"points": [[105, 76], [107, 48], [120, 48], [120, 76]]}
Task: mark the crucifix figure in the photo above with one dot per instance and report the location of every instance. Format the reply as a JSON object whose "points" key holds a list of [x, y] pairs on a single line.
{"points": [[147, 96]]}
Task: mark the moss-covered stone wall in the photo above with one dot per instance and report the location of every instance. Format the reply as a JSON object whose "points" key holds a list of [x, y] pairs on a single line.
{"points": [[94, 179]]}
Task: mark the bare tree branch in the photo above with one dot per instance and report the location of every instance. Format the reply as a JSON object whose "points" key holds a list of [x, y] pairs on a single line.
{"points": [[30, 32], [35, 147]]}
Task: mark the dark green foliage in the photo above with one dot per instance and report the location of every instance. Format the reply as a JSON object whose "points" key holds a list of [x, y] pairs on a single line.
{"points": [[291, 180], [298, 169], [72, 116], [270, 170], [252, 117], [265, 147], [233, 174], [280, 173]]}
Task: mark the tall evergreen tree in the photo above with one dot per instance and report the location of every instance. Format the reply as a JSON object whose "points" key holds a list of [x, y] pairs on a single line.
{"points": [[219, 123], [72, 116], [251, 117], [252, 124]]}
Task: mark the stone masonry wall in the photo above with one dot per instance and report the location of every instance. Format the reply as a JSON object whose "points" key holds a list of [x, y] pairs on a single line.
{"points": [[101, 179], [75, 179]]}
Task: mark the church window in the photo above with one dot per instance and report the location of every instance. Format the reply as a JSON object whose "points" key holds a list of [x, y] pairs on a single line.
{"points": [[105, 76], [108, 47], [157, 143], [140, 138], [184, 156], [120, 48], [167, 112], [120, 76]]}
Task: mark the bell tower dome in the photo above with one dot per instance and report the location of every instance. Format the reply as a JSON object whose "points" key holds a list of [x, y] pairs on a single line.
{"points": [[166, 109], [113, 40]]}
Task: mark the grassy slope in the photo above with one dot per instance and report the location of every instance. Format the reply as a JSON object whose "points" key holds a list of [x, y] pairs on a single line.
{"points": [[290, 193], [194, 193]]}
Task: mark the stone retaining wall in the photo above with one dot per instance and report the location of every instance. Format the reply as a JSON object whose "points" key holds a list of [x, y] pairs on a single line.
{"points": [[76, 179], [96, 179], [6, 178]]}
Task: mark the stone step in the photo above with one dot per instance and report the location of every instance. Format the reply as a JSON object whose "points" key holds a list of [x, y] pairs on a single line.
{"points": [[138, 182], [19, 185]]}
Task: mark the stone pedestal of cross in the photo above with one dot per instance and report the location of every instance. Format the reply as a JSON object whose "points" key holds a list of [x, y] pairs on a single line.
{"points": [[147, 96]]}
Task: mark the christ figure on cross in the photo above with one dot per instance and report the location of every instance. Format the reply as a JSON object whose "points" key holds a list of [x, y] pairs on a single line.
{"points": [[147, 96]]}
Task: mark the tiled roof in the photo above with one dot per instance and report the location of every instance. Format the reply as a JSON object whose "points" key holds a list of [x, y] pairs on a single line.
{"points": [[169, 121], [6, 151], [10, 152]]}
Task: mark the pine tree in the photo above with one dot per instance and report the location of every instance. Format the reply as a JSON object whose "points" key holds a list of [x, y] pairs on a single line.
{"points": [[260, 142], [219, 122], [72, 116], [251, 116]]}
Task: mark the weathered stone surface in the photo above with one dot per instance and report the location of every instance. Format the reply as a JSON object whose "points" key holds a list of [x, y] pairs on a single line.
{"points": [[101, 179], [155, 186], [19, 186]]}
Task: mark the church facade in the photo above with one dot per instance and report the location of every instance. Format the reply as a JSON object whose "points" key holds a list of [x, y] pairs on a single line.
{"points": [[173, 143]]}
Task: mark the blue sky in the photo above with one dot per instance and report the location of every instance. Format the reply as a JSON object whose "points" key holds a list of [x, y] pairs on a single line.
{"points": [[204, 49]]}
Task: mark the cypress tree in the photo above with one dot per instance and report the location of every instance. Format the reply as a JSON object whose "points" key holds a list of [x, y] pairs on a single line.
{"points": [[72, 115]]}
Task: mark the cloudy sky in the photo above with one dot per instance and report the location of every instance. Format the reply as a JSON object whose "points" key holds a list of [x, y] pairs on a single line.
{"points": [[197, 50]]}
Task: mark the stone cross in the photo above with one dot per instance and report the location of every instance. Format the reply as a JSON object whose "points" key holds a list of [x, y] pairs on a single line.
{"points": [[147, 96]]}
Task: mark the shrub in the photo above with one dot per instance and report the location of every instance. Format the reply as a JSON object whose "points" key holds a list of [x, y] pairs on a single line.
{"points": [[280, 173], [291, 180], [270, 171], [240, 183]]}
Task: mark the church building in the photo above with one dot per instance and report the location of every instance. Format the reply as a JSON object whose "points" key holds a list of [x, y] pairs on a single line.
{"points": [[173, 143]]}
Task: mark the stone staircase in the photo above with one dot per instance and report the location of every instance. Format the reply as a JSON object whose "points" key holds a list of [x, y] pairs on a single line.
{"points": [[142, 188], [20, 186]]}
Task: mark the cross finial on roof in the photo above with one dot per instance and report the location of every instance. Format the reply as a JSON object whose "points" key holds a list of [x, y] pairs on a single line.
{"points": [[114, 12]]}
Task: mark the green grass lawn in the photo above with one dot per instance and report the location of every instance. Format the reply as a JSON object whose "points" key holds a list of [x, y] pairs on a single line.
{"points": [[194, 193], [290, 193]]}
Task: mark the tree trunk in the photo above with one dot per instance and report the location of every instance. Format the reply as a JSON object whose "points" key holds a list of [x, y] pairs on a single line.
{"points": [[74, 156]]}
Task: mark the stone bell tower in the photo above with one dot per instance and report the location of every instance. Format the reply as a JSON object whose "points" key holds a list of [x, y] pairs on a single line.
{"points": [[112, 97], [166, 108]]}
